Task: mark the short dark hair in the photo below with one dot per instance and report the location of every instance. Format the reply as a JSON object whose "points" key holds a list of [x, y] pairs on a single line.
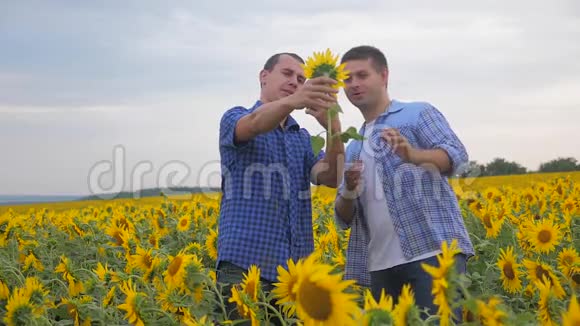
{"points": [[364, 52], [273, 60]]}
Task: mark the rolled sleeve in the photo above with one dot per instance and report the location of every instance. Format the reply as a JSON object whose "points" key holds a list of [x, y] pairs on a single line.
{"points": [[434, 132], [228, 127]]}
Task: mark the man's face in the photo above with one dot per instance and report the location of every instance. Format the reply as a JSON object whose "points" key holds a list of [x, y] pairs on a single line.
{"points": [[365, 84], [284, 79]]}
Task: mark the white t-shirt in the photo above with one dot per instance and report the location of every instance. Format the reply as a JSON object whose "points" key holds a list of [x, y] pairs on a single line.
{"points": [[385, 245]]}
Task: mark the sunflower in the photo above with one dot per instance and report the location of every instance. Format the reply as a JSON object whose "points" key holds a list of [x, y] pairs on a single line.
{"points": [[490, 312], [492, 194], [245, 295], [143, 260], [574, 276], [246, 307], [529, 197], [36, 293], [183, 224], [195, 278], [537, 271], [544, 236], [477, 207], [175, 273], [443, 287], [251, 282], [377, 313], [284, 290], [103, 272], [169, 299], [405, 311], [320, 296], [73, 308], [154, 240], [490, 222], [19, 310], [569, 206], [325, 64], [522, 235], [119, 235], [545, 314], [108, 299], [4, 291], [75, 286], [211, 244], [32, 261], [509, 272], [131, 305], [567, 258], [572, 316]]}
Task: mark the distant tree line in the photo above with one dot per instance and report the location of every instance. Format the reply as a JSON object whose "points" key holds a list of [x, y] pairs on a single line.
{"points": [[501, 166]]}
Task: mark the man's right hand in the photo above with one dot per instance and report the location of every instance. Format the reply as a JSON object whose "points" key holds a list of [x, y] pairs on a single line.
{"points": [[316, 93], [353, 181]]}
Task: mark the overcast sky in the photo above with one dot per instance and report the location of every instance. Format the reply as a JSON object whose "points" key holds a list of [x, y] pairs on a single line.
{"points": [[79, 78]]}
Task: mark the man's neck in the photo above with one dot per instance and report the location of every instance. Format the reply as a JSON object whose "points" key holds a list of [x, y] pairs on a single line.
{"points": [[376, 110]]}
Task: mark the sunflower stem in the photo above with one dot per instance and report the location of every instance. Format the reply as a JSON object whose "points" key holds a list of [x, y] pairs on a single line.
{"points": [[220, 298], [276, 312]]}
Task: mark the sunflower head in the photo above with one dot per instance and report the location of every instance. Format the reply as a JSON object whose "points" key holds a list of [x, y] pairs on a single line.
{"points": [[406, 312], [321, 296], [19, 310], [285, 290], [509, 271], [324, 63], [572, 316], [377, 313], [211, 244]]}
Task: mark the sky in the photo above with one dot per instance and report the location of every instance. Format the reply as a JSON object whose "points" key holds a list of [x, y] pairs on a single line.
{"points": [[122, 95]]}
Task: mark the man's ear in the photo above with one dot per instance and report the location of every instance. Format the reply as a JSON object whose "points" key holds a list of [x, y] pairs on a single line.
{"points": [[385, 76], [263, 74]]}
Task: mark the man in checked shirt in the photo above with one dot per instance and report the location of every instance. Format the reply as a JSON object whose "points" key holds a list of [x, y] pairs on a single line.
{"points": [[395, 196], [267, 167]]}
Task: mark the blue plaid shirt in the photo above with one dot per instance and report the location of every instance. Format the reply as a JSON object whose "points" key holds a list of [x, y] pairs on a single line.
{"points": [[421, 203], [265, 213]]}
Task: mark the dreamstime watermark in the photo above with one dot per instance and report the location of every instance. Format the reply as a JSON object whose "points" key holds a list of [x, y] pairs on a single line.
{"points": [[259, 181]]}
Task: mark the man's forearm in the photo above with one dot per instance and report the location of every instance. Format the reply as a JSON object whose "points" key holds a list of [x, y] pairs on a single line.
{"points": [[344, 208], [269, 116], [433, 157]]}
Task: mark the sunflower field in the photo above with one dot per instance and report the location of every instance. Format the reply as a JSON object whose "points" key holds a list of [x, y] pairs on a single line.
{"points": [[151, 262]]}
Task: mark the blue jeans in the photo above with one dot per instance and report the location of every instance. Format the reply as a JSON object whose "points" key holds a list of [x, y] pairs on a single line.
{"points": [[393, 279]]}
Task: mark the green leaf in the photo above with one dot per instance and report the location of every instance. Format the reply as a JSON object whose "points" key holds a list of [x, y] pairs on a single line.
{"points": [[317, 144], [334, 110], [350, 133]]}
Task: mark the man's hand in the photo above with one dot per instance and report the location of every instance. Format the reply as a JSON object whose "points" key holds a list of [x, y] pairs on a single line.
{"points": [[353, 181], [399, 143], [316, 94]]}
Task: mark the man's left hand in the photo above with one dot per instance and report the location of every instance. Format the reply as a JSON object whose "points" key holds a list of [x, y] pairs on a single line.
{"points": [[321, 116], [399, 143]]}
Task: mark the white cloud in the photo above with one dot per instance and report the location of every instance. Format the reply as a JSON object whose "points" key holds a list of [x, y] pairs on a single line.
{"points": [[77, 80]]}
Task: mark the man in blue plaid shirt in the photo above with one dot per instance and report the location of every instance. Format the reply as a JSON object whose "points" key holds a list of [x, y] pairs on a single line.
{"points": [[395, 195], [267, 167]]}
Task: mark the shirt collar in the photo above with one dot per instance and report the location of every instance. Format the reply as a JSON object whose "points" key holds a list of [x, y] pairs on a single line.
{"points": [[395, 106], [291, 124]]}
